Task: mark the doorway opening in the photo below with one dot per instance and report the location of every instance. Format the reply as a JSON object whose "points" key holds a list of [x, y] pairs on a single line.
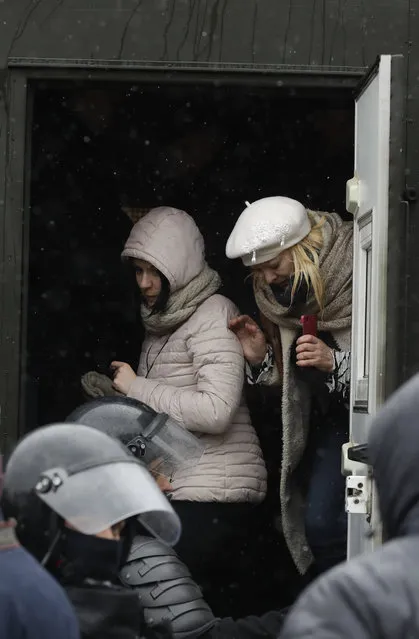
{"points": [[102, 155]]}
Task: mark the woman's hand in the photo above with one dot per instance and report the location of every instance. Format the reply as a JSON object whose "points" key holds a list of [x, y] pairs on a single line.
{"points": [[311, 351], [251, 338], [123, 377]]}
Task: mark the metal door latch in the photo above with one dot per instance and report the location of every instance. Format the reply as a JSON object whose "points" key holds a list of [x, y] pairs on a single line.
{"points": [[358, 494]]}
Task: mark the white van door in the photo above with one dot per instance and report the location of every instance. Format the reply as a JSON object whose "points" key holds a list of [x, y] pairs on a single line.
{"points": [[377, 116]]}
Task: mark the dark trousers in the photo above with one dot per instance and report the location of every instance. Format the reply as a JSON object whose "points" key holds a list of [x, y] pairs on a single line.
{"points": [[213, 539], [325, 516]]}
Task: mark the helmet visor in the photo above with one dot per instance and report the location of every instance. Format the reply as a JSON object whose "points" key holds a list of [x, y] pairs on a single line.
{"points": [[97, 498], [168, 447]]}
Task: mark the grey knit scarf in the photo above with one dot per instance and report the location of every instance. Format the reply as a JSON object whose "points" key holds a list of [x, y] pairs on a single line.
{"points": [[335, 261], [182, 303], [336, 270]]}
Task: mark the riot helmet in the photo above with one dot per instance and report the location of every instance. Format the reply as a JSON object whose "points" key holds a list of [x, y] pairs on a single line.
{"points": [[158, 440], [80, 475]]}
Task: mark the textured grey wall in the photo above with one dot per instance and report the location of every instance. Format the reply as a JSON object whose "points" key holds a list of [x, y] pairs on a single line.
{"points": [[315, 32]]}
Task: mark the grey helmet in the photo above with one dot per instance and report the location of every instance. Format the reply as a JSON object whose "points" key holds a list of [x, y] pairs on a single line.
{"points": [[82, 476]]}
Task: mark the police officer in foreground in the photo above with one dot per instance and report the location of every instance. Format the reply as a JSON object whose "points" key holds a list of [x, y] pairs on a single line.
{"points": [[152, 568], [79, 498], [376, 595], [32, 604]]}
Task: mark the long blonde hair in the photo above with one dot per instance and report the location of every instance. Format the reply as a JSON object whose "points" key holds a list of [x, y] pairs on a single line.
{"points": [[305, 256]]}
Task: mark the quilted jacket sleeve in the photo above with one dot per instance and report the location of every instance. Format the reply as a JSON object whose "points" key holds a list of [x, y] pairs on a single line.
{"points": [[218, 365]]}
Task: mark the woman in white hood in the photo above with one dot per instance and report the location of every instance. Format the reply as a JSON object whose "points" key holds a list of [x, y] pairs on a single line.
{"points": [[302, 265], [192, 368]]}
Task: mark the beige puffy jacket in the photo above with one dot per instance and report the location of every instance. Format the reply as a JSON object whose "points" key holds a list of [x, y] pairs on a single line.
{"points": [[196, 373]]}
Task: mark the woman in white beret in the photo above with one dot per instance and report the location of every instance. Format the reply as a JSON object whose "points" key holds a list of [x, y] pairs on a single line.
{"points": [[301, 262]]}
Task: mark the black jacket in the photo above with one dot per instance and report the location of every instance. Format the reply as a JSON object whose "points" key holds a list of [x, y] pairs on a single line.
{"points": [[110, 612], [376, 596], [267, 626]]}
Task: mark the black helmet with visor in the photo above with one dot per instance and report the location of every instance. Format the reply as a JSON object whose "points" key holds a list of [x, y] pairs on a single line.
{"points": [[162, 443]]}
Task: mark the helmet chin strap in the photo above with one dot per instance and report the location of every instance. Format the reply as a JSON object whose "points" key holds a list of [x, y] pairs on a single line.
{"points": [[51, 549], [56, 531]]}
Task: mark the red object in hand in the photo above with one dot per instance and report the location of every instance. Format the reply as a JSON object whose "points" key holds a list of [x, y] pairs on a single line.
{"points": [[309, 324]]}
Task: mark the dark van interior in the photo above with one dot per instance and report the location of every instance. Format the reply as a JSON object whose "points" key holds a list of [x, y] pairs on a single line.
{"points": [[104, 154]]}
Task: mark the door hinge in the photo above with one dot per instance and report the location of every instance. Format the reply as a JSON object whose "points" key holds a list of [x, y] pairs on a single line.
{"points": [[359, 453], [353, 195], [354, 459]]}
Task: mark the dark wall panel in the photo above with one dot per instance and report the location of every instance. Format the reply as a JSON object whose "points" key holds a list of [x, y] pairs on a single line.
{"points": [[316, 32]]}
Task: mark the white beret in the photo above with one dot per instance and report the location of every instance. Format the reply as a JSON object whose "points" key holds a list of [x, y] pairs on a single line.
{"points": [[266, 228]]}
